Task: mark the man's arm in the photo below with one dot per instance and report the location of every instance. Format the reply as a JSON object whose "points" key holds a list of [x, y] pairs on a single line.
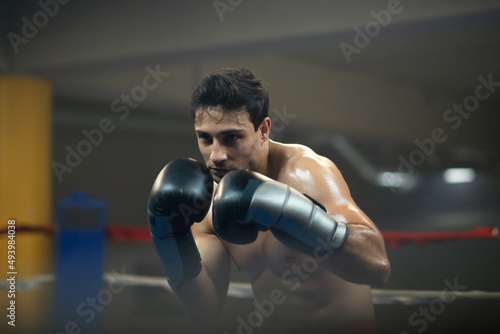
{"points": [[362, 259], [203, 297], [308, 208], [194, 261]]}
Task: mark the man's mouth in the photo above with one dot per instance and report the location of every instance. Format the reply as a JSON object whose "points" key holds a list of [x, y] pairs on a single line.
{"points": [[219, 172]]}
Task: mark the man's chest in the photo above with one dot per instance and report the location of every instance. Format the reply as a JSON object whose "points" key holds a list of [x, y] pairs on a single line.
{"points": [[265, 253]]}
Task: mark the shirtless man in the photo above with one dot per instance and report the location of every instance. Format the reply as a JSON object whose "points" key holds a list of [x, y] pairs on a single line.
{"points": [[283, 213]]}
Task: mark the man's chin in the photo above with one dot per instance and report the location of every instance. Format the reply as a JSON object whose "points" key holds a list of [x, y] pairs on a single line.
{"points": [[217, 177]]}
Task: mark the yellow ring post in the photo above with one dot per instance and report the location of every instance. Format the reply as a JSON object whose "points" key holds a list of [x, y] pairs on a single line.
{"points": [[26, 197]]}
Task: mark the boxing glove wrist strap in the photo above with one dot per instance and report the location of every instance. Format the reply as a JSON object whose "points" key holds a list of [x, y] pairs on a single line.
{"points": [[277, 206], [179, 257]]}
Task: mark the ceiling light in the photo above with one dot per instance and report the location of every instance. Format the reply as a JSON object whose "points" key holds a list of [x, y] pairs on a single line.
{"points": [[391, 179], [459, 175]]}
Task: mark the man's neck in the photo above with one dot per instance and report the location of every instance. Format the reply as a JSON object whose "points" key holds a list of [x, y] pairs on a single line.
{"points": [[267, 168]]}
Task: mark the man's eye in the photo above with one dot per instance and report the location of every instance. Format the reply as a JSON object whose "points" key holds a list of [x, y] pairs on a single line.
{"points": [[205, 139], [231, 138]]}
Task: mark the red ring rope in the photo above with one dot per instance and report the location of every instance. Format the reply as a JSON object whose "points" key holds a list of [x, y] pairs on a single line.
{"points": [[394, 239]]}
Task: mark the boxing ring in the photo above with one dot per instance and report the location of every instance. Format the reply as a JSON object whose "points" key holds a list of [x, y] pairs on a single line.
{"points": [[102, 233], [243, 290]]}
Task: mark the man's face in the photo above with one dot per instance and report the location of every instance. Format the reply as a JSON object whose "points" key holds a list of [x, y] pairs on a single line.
{"points": [[228, 141]]}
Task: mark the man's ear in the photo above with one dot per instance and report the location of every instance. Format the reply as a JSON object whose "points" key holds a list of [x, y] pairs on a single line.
{"points": [[265, 128]]}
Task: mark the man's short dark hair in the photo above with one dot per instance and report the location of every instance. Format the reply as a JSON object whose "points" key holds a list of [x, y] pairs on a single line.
{"points": [[232, 90]]}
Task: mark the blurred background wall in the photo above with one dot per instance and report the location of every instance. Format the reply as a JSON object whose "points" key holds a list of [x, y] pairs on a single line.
{"points": [[394, 92]]}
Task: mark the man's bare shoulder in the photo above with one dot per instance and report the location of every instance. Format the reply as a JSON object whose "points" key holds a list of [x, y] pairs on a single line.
{"points": [[298, 160], [311, 173]]}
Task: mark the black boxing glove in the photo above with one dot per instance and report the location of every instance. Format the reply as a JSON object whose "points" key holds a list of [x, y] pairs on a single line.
{"points": [[181, 195], [246, 202]]}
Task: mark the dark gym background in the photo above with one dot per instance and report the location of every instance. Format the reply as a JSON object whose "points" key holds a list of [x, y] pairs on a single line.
{"points": [[366, 109]]}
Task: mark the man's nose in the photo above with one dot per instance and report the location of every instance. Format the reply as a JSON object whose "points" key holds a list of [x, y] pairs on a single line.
{"points": [[218, 154]]}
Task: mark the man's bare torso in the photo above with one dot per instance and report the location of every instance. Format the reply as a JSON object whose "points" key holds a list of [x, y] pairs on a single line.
{"points": [[304, 295]]}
